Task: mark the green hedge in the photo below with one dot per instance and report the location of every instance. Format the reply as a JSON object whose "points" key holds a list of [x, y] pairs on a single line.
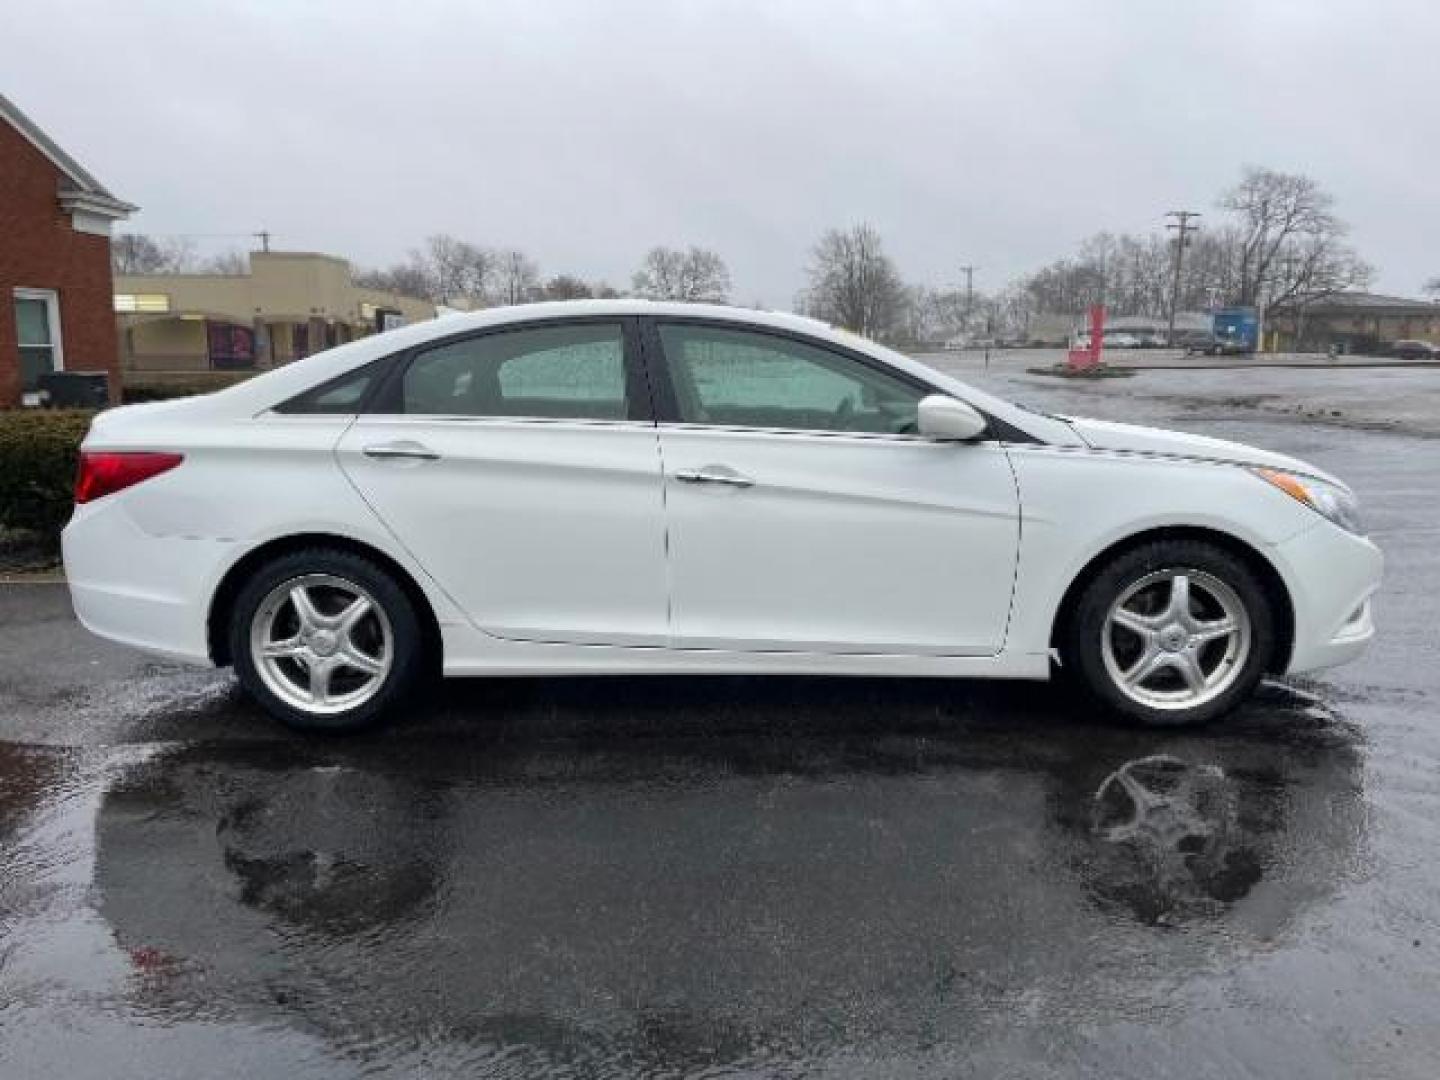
{"points": [[163, 385], [137, 395], [39, 449]]}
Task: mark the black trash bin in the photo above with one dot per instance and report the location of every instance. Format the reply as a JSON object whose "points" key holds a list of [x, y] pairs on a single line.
{"points": [[75, 389]]}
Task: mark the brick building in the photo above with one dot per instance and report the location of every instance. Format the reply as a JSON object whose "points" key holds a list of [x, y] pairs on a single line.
{"points": [[1353, 322], [56, 297]]}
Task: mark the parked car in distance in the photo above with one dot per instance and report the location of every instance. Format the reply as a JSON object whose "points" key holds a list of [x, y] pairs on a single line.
{"points": [[632, 487], [1111, 339], [1214, 346], [1415, 350]]}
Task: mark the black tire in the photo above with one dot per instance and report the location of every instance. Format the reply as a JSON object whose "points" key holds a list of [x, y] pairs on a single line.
{"points": [[407, 666], [1083, 639]]}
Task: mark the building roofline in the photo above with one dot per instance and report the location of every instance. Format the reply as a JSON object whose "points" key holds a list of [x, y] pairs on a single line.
{"points": [[87, 192], [104, 205], [282, 253], [1358, 299], [166, 276]]}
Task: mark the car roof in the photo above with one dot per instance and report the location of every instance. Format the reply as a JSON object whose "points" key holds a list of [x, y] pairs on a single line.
{"points": [[268, 389]]}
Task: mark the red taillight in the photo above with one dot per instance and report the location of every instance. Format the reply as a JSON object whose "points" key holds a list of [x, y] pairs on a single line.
{"points": [[104, 472]]}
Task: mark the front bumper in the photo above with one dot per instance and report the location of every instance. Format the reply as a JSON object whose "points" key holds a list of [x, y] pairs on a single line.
{"points": [[1332, 576]]}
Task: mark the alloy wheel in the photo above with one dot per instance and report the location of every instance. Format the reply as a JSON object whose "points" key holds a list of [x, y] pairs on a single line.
{"points": [[1176, 639], [322, 644]]}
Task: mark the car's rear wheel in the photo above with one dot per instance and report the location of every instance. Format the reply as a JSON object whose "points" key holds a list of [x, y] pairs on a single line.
{"points": [[1172, 632], [326, 640]]}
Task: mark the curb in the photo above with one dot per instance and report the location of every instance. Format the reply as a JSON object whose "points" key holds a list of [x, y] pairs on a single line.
{"points": [[33, 577], [1401, 365]]}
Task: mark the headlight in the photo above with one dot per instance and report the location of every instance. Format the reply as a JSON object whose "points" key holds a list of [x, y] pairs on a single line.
{"points": [[1328, 500]]}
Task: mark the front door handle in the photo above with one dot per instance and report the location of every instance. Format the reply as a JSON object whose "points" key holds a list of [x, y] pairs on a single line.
{"points": [[714, 474], [404, 449]]}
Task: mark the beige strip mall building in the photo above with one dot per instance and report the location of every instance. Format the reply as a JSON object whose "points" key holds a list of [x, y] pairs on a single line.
{"points": [[291, 304]]}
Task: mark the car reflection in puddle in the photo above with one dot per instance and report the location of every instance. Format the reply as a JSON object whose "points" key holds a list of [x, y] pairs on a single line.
{"points": [[885, 869], [1172, 832], [1190, 832]]}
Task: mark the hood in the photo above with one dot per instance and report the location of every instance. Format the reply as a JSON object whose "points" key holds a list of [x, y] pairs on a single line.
{"points": [[1134, 439]]}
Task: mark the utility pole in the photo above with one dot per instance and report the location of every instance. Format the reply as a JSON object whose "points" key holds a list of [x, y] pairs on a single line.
{"points": [[969, 272], [264, 237], [1182, 228], [1289, 291]]}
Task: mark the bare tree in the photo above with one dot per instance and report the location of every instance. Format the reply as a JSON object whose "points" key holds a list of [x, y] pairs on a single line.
{"points": [[231, 263], [1015, 309], [1281, 244], [136, 253], [933, 315], [853, 282], [1432, 287], [697, 276], [1290, 241], [566, 287], [457, 269], [517, 277], [444, 270], [409, 278]]}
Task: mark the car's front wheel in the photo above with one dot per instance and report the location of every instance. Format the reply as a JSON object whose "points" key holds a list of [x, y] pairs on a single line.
{"points": [[326, 640], [1171, 632]]}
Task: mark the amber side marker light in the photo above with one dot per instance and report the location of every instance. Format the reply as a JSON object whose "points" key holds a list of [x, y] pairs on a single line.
{"points": [[104, 472], [1291, 485], [1334, 502]]}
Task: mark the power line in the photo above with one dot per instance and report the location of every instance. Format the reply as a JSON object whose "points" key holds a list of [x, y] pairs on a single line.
{"points": [[263, 235]]}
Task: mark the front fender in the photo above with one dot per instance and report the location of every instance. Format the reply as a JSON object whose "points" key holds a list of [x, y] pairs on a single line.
{"points": [[1075, 505]]}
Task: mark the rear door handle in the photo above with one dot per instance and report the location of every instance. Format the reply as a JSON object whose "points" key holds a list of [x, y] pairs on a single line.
{"points": [[404, 449], [714, 474]]}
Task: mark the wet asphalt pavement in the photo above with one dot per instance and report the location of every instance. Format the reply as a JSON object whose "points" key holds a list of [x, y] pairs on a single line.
{"points": [[748, 877]]}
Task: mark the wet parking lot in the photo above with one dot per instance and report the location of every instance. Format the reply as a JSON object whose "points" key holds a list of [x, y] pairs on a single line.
{"points": [[749, 877]]}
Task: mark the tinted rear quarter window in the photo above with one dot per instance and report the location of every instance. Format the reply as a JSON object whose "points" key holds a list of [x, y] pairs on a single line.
{"points": [[338, 397]]}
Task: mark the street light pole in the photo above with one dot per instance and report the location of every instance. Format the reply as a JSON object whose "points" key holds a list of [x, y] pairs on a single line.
{"points": [[1182, 228]]}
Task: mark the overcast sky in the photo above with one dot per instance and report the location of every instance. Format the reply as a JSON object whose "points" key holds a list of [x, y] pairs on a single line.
{"points": [[996, 133]]}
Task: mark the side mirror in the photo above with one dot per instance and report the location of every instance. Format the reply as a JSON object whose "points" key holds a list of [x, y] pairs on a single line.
{"points": [[947, 419]]}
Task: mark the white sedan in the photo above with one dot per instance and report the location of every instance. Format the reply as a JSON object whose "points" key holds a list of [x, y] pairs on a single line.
{"points": [[628, 487]]}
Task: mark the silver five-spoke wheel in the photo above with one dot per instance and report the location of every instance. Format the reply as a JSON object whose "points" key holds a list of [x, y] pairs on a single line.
{"points": [[321, 643], [1176, 639]]}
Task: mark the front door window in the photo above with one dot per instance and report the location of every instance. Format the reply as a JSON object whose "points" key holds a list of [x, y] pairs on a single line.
{"points": [[742, 378], [37, 329]]}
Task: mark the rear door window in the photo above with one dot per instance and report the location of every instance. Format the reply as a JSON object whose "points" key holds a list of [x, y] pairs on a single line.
{"points": [[565, 372]]}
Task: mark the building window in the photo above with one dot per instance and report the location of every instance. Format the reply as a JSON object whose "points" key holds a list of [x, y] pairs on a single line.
{"points": [[142, 303], [231, 348], [37, 330]]}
